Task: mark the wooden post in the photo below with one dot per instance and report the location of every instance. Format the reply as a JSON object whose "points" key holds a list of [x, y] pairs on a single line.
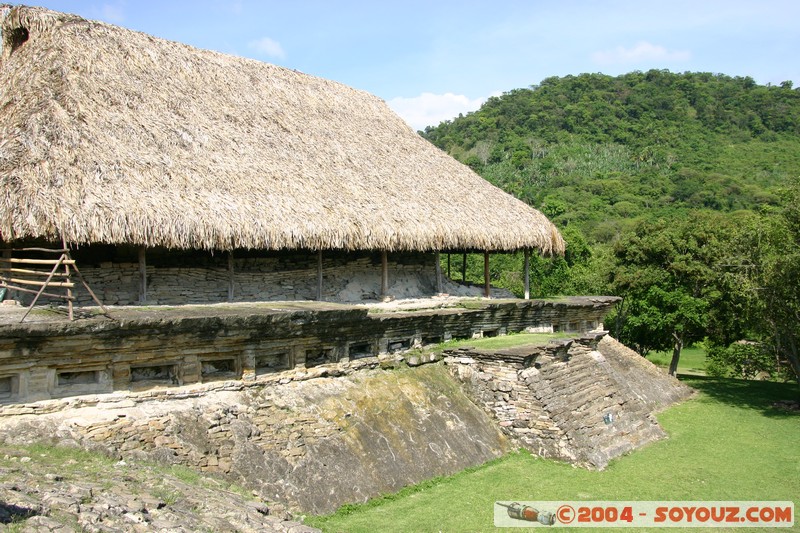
{"points": [[486, 287], [65, 255], [7, 255], [142, 276], [89, 289], [448, 266], [384, 274], [230, 275], [319, 275], [439, 285], [44, 286], [464, 268], [527, 274]]}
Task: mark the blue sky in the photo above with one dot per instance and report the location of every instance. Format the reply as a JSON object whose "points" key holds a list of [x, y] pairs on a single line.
{"points": [[431, 60]]}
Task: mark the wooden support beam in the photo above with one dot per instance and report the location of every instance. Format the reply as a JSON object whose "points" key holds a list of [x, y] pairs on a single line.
{"points": [[230, 275], [29, 272], [50, 250], [65, 284], [487, 289], [527, 274], [64, 278], [91, 292], [319, 275], [463, 268], [6, 257], [384, 274], [22, 289], [47, 262], [68, 285], [448, 267], [439, 284], [44, 286], [142, 275]]}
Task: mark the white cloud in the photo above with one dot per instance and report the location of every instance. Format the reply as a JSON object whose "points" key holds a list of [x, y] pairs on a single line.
{"points": [[430, 109], [268, 47], [639, 53]]}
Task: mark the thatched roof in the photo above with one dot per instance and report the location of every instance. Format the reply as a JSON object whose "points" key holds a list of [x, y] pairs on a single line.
{"points": [[110, 135]]}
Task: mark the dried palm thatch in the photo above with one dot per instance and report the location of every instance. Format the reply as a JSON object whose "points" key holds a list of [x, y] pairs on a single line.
{"points": [[113, 136]]}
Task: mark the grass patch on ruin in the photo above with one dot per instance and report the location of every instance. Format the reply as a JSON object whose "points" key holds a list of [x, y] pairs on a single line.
{"points": [[185, 474], [500, 342], [69, 464], [726, 443], [65, 460]]}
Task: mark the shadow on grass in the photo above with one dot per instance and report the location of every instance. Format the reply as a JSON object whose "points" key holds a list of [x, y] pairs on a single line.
{"points": [[760, 395], [10, 513]]}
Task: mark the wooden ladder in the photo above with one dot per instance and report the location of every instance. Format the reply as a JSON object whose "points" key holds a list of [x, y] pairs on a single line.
{"points": [[21, 274]]}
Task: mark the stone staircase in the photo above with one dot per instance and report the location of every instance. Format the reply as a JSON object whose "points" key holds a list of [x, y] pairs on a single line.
{"points": [[565, 400]]}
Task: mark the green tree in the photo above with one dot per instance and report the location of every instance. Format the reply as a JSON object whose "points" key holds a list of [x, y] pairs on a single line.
{"points": [[665, 272], [772, 245], [782, 282]]}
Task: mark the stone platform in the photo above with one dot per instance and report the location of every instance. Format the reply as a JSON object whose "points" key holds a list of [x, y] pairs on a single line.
{"points": [[142, 348], [317, 405], [316, 438]]}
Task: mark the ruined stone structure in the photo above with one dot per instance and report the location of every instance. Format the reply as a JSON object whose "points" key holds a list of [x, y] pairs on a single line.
{"points": [[312, 440], [343, 432], [189, 176], [584, 400], [174, 277], [144, 348], [317, 406]]}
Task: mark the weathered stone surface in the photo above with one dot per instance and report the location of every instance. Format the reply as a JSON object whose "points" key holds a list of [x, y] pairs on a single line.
{"points": [[643, 379], [123, 497], [156, 348], [316, 439], [358, 424], [202, 278], [313, 444], [586, 400]]}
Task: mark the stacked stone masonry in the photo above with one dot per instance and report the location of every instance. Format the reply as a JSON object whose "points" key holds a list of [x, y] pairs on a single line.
{"points": [[586, 400], [194, 277], [311, 439], [342, 432], [40, 360], [316, 436]]}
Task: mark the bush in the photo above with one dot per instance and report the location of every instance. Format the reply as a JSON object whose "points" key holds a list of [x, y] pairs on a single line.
{"points": [[745, 359]]}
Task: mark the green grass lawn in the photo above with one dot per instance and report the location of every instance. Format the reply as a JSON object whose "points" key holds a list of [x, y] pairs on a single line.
{"points": [[727, 443], [692, 361]]}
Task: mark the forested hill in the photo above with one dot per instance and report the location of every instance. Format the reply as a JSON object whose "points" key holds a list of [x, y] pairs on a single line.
{"points": [[599, 152], [678, 192]]}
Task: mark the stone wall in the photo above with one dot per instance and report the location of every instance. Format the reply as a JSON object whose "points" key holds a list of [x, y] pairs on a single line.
{"points": [[176, 277], [570, 400], [350, 277], [312, 440], [316, 438], [143, 349]]}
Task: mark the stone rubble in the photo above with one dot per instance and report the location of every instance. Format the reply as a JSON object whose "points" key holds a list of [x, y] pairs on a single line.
{"points": [[99, 495]]}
